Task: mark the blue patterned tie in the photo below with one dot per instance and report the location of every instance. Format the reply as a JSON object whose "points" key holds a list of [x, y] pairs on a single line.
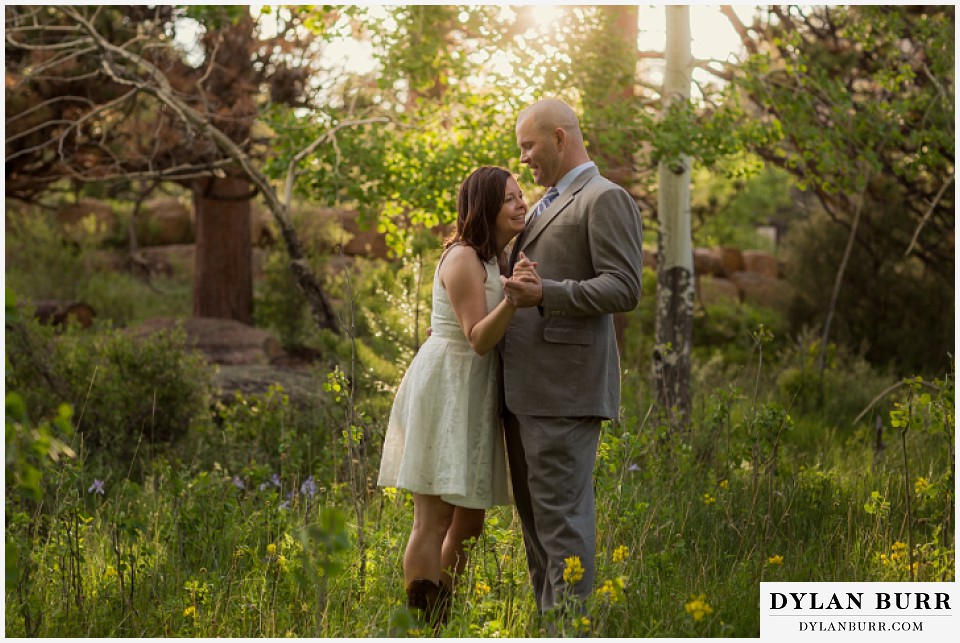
{"points": [[544, 203]]}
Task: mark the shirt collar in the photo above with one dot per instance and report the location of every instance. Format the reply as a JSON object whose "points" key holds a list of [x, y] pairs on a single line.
{"points": [[569, 177]]}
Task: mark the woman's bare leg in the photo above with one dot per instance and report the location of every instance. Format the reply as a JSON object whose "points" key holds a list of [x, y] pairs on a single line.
{"points": [[467, 524], [432, 518]]}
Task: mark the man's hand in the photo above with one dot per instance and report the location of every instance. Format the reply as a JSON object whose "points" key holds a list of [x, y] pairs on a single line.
{"points": [[523, 289]]}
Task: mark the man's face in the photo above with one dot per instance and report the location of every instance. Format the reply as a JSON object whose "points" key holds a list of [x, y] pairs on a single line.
{"points": [[540, 150]]}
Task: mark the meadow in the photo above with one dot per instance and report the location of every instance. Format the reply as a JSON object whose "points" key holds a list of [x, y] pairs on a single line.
{"points": [[262, 518]]}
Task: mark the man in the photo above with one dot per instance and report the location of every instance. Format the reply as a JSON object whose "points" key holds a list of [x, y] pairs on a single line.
{"points": [[561, 367]]}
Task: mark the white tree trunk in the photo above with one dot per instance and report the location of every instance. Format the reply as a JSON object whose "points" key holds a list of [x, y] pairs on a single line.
{"points": [[675, 285]]}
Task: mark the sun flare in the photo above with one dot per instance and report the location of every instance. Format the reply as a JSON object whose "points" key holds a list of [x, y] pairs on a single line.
{"points": [[545, 15]]}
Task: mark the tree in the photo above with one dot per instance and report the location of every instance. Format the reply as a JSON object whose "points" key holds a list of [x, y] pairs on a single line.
{"points": [[859, 106], [100, 95], [675, 286]]}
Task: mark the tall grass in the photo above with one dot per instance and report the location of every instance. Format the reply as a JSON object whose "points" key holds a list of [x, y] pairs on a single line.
{"points": [[264, 521], [225, 544]]}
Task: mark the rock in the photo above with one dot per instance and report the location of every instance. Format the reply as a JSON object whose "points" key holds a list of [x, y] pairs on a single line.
{"points": [[60, 313], [715, 290], [329, 228], [732, 260], [302, 387], [165, 221], [761, 290], [760, 262], [708, 261], [222, 341], [76, 218]]}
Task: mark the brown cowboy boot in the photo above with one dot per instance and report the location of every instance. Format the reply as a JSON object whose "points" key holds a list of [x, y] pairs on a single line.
{"points": [[422, 597], [429, 600]]}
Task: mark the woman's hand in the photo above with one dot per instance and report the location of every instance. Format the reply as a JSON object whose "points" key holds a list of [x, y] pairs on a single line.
{"points": [[526, 270]]}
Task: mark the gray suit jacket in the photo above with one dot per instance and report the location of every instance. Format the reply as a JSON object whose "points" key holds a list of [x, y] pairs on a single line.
{"points": [[561, 359]]}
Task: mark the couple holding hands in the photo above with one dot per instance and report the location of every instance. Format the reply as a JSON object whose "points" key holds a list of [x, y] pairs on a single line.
{"points": [[523, 354]]}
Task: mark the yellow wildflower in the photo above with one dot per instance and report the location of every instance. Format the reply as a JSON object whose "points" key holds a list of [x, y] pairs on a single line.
{"points": [[190, 612], [581, 623], [723, 484], [271, 549], [775, 560], [921, 486], [610, 591], [482, 588], [620, 554], [573, 572], [110, 573], [390, 493], [708, 499], [698, 607]]}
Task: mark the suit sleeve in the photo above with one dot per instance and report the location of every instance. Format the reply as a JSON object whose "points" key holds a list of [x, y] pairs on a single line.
{"points": [[614, 238]]}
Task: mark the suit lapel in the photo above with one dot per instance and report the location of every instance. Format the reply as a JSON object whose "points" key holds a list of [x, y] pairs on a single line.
{"points": [[534, 229]]}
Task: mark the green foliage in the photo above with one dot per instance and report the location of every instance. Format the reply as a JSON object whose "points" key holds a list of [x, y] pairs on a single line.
{"points": [[841, 104], [889, 308], [125, 390], [43, 263], [726, 211]]}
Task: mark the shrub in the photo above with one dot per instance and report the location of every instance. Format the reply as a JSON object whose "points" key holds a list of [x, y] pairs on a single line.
{"points": [[889, 305], [124, 390]]}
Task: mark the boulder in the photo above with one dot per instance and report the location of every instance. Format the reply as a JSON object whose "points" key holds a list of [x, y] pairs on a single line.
{"points": [[708, 261], [222, 341], [330, 227], [302, 387], [61, 313], [760, 262], [715, 290], [732, 260], [165, 221], [761, 290], [88, 218]]}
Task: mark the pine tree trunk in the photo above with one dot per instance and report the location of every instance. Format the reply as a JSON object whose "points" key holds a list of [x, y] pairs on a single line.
{"points": [[675, 285], [223, 284]]}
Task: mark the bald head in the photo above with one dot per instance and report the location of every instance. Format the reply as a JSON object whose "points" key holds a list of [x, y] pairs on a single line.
{"points": [[550, 140], [550, 114]]}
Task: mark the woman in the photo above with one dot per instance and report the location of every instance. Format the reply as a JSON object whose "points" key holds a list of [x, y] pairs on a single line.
{"points": [[444, 442]]}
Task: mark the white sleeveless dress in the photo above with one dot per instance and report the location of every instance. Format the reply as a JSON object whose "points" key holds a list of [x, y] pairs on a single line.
{"points": [[444, 437]]}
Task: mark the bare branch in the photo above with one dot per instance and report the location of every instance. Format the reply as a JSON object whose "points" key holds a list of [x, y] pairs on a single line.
{"points": [[47, 103], [749, 43], [929, 213]]}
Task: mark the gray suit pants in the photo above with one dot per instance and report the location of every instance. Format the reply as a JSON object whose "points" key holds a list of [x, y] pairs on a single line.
{"points": [[551, 468]]}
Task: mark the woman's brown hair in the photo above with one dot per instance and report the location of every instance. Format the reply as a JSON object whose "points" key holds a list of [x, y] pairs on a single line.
{"points": [[478, 204]]}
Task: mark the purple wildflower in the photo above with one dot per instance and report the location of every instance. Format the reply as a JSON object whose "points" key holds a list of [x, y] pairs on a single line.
{"points": [[633, 467], [309, 487], [238, 482], [96, 487], [275, 479], [284, 505]]}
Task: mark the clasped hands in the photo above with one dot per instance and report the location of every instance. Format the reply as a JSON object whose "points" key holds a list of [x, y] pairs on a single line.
{"points": [[523, 289]]}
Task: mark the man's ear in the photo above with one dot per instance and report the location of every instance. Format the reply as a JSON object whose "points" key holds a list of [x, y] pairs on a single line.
{"points": [[560, 136]]}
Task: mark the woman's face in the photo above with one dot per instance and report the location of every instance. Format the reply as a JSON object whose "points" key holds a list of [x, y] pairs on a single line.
{"points": [[512, 214]]}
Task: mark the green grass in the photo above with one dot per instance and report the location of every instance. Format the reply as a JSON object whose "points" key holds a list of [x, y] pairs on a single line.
{"points": [[186, 552]]}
